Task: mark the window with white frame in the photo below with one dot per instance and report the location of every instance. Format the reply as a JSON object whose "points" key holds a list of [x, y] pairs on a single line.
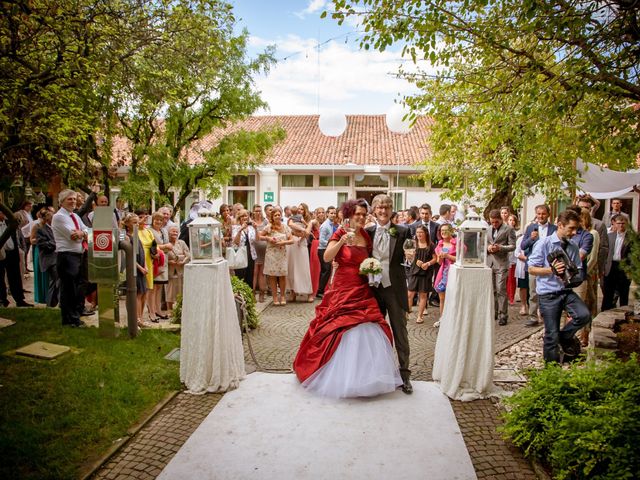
{"points": [[410, 181], [333, 180], [297, 181], [242, 189]]}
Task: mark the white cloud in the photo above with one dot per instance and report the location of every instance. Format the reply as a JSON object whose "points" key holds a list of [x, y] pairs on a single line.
{"points": [[313, 7], [341, 77]]}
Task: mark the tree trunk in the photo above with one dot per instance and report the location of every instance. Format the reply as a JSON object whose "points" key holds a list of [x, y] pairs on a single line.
{"points": [[502, 197]]}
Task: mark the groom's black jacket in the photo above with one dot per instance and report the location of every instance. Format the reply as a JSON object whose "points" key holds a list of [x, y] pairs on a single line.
{"points": [[397, 273]]}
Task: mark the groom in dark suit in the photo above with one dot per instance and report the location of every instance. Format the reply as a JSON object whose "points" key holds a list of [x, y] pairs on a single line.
{"points": [[392, 292]]}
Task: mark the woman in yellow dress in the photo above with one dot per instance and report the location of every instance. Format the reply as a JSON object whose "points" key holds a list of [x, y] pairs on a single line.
{"points": [[146, 239]]}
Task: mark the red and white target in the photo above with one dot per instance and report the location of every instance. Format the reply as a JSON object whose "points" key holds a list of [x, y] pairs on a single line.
{"points": [[102, 243]]}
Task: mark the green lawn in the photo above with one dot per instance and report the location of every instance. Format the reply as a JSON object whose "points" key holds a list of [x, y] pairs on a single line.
{"points": [[58, 416]]}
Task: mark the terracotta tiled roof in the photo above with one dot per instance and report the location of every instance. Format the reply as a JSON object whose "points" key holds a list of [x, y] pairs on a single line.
{"points": [[366, 141]]}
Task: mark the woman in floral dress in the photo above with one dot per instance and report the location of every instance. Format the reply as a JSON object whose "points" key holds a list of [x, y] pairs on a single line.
{"points": [[276, 267]]}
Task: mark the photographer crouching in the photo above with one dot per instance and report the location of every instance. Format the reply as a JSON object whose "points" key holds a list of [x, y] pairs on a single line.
{"points": [[556, 262]]}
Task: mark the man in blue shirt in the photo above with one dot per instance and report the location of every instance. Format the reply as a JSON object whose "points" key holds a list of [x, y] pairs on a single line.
{"points": [[327, 229], [553, 294]]}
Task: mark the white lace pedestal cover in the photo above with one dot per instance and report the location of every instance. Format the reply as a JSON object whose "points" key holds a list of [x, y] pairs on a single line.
{"points": [[464, 355], [211, 352]]}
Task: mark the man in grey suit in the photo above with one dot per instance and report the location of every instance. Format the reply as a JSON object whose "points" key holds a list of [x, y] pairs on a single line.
{"points": [[391, 294], [502, 241], [47, 258]]}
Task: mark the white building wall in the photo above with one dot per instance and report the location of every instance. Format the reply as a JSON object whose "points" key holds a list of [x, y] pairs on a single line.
{"points": [[267, 183], [313, 198]]}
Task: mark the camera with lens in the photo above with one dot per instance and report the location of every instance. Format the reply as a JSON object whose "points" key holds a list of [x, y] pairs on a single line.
{"points": [[571, 277]]}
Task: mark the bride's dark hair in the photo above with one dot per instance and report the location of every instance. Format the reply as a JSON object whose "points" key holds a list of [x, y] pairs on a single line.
{"points": [[348, 208]]}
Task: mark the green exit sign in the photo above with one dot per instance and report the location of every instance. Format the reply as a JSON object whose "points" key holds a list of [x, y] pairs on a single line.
{"points": [[268, 196]]}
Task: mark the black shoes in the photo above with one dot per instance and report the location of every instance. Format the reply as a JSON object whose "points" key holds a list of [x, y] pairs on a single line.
{"points": [[407, 387], [502, 321], [571, 349], [87, 312], [5, 303]]}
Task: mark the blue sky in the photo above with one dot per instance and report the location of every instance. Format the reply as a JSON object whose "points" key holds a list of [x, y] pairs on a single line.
{"points": [[337, 77]]}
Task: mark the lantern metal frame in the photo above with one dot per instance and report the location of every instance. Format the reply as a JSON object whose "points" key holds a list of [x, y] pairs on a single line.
{"points": [[472, 242], [205, 238]]}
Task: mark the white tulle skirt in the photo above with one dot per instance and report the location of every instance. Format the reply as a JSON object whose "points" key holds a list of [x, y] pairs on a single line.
{"points": [[363, 365]]}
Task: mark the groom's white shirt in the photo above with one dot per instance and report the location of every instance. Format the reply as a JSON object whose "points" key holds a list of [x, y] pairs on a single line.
{"points": [[382, 255]]}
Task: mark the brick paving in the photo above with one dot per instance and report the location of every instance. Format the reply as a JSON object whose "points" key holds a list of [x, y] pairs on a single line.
{"points": [[275, 344]]}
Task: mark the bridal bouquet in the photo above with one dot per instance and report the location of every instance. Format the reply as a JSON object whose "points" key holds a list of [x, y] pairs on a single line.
{"points": [[373, 269]]}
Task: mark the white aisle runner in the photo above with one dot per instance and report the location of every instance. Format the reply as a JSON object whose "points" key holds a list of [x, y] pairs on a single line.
{"points": [[270, 428]]}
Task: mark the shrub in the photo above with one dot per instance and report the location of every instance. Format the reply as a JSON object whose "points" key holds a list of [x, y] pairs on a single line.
{"points": [[177, 309], [239, 287], [584, 422]]}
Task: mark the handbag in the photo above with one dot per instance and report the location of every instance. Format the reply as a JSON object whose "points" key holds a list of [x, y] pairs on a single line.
{"points": [[237, 257], [158, 263]]}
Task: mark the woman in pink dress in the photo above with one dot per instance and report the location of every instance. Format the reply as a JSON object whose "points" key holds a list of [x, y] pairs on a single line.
{"points": [[446, 253], [347, 350]]}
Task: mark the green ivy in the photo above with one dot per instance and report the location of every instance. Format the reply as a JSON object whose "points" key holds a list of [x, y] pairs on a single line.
{"points": [[239, 287], [584, 421]]}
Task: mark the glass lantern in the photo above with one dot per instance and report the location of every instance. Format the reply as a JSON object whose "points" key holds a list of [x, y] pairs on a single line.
{"points": [[473, 235], [205, 234]]}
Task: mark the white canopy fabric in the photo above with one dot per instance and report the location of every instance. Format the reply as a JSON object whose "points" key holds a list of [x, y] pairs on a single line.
{"points": [[603, 183]]}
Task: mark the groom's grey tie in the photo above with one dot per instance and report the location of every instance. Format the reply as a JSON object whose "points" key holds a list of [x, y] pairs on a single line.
{"points": [[382, 240]]}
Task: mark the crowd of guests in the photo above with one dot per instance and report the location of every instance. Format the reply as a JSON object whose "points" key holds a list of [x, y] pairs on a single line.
{"points": [[58, 245], [285, 251]]}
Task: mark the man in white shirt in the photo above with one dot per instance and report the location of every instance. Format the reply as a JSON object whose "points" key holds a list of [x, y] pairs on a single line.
{"points": [[71, 239], [615, 279]]}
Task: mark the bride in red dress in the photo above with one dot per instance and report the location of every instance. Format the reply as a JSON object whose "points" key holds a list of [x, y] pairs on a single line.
{"points": [[347, 351]]}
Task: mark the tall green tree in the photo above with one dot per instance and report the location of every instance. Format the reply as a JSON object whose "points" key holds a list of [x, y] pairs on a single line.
{"points": [[57, 58], [78, 76], [173, 97], [518, 89]]}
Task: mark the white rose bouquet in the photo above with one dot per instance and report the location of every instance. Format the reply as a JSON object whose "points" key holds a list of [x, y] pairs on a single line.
{"points": [[373, 269]]}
